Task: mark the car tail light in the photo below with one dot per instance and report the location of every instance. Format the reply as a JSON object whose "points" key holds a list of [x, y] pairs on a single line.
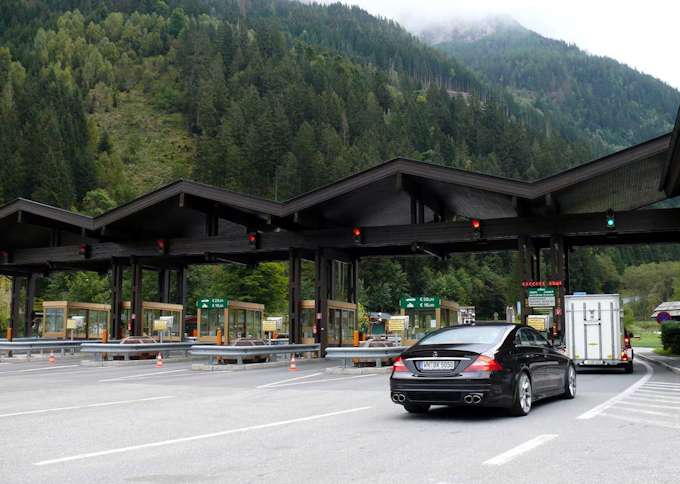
{"points": [[484, 363], [399, 366]]}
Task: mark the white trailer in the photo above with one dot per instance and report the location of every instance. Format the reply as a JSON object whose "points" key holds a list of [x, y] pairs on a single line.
{"points": [[594, 333]]}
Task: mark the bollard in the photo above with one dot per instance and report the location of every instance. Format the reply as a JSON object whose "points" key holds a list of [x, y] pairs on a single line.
{"points": [[105, 336], [218, 338], [356, 338], [9, 334]]}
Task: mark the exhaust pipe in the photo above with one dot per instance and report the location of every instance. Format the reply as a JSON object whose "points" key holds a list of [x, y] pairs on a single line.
{"points": [[472, 398], [398, 397]]}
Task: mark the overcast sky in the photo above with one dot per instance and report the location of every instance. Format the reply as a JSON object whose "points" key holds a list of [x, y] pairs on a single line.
{"points": [[642, 34]]}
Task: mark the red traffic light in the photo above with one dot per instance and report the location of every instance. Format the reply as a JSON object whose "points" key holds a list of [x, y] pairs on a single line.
{"points": [[84, 250], [161, 245], [252, 239], [357, 235], [476, 224]]}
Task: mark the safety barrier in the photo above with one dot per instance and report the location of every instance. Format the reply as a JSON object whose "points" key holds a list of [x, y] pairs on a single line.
{"points": [[372, 354], [31, 346], [103, 351], [238, 353]]}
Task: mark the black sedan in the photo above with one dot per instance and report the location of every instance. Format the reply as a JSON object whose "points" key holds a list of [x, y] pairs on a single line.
{"points": [[482, 364]]}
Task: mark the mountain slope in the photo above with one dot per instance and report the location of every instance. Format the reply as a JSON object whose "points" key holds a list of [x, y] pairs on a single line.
{"points": [[615, 104]]}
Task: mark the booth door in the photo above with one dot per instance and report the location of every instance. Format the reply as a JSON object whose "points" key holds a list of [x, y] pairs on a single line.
{"points": [[334, 329], [307, 323]]}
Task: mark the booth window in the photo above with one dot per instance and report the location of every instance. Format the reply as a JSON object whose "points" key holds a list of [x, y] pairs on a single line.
{"points": [[211, 321], [54, 318], [307, 317]]}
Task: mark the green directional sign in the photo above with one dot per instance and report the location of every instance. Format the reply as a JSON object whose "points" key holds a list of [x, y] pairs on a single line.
{"points": [[212, 303], [541, 297], [420, 302]]}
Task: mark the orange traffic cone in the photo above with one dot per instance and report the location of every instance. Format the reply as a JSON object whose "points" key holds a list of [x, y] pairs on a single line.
{"points": [[159, 361], [293, 366], [52, 359]]}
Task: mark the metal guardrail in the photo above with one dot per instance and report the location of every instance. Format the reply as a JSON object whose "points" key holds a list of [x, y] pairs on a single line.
{"points": [[240, 352], [102, 351], [38, 346], [378, 354]]}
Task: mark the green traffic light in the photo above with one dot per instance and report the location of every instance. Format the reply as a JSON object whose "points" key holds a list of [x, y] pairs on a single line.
{"points": [[610, 222]]}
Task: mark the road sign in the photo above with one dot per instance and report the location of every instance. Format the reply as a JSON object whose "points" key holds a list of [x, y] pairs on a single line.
{"points": [[541, 297], [663, 316], [212, 303], [421, 302]]}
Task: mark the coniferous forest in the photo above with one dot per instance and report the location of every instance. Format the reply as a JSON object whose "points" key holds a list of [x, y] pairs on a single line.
{"points": [[102, 101]]}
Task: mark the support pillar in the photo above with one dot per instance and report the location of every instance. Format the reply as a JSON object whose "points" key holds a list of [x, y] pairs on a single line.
{"points": [[136, 303], [164, 285], [529, 270], [353, 280], [14, 305], [294, 296], [558, 272], [117, 273], [321, 299], [28, 305], [181, 287]]}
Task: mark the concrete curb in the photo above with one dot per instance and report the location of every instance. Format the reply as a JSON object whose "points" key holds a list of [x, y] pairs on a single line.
{"points": [[368, 370], [658, 362]]}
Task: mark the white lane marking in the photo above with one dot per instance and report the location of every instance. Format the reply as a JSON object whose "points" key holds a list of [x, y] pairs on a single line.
{"points": [[646, 412], [25, 370], [669, 386], [138, 375], [80, 407], [163, 443], [651, 398], [511, 454], [648, 405], [595, 411], [324, 380], [662, 391], [658, 423], [288, 380]]}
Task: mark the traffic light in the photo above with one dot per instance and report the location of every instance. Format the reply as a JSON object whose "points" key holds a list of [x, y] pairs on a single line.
{"points": [[357, 235], [611, 220], [253, 240], [162, 246], [476, 228], [84, 250]]}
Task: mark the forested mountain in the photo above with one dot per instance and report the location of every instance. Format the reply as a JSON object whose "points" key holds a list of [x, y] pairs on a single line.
{"points": [[596, 96], [101, 101]]}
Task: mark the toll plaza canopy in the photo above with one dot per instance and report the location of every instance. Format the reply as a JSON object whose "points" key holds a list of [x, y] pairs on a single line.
{"points": [[400, 207]]}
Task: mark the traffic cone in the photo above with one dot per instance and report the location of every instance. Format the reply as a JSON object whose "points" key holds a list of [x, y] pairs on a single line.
{"points": [[159, 361], [292, 366], [52, 359]]}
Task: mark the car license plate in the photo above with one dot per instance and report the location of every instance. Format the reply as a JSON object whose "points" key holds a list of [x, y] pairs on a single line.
{"points": [[434, 365]]}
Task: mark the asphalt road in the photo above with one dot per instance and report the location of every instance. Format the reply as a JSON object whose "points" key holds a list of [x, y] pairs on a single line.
{"points": [[141, 424]]}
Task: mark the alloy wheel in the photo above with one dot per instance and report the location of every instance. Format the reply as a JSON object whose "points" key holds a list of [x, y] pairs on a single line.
{"points": [[525, 392]]}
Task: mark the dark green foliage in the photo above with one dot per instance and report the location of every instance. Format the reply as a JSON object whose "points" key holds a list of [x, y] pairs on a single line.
{"points": [[670, 337], [613, 104]]}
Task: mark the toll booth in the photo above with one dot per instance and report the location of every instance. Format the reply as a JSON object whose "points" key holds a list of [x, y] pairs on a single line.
{"points": [[152, 311], [425, 314], [244, 320], [93, 319], [342, 322]]}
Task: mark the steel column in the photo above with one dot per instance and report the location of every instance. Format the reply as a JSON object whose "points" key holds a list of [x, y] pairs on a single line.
{"points": [[181, 287], [558, 272], [164, 285], [28, 305], [294, 296], [321, 299], [137, 315], [117, 274], [15, 305]]}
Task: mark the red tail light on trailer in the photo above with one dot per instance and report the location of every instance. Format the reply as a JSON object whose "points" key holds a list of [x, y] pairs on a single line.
{"points": [[484, 363]]}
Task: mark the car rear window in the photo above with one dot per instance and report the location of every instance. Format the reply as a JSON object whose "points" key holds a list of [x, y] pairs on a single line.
{"points": [[461, 335]]}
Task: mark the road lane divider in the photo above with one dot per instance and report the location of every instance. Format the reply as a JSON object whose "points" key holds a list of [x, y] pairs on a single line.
{"points": [[323, 380], [141, 375], [28, 370], [288, 380], [515, 452], [194, 438], [81, 407], [595, 411]]}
